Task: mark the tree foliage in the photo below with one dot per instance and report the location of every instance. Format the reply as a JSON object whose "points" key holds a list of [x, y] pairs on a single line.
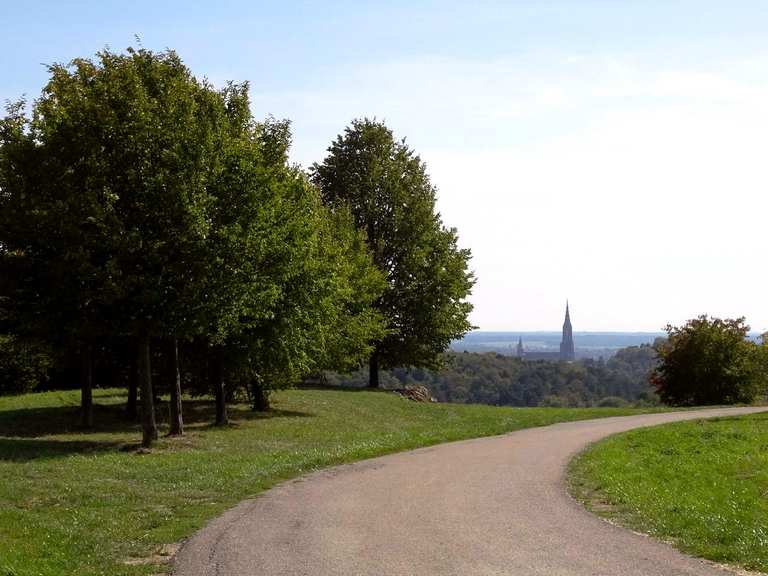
{"points": [[502, 380], [323, 315], [385, 186], [24, 363], [709, 361]]}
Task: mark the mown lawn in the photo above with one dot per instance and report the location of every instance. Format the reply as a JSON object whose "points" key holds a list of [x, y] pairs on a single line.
{"points": [[77, 503], [703, 485]]}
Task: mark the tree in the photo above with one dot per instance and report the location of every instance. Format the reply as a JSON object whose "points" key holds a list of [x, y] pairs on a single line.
{"points": [[708, 361], [385, 186], [50, 245], [326, 282]]}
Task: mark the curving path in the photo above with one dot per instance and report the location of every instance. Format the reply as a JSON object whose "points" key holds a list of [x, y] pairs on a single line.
{"points": [[491, 506]]}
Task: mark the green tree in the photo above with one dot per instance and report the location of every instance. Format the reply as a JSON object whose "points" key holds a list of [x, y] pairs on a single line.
{"points": [[50, 249], [322, 315], [708, 361], [254, 239], [385, 186]]}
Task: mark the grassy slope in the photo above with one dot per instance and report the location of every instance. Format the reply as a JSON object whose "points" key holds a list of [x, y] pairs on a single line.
{"points": [[703, 485], [83, 503]]}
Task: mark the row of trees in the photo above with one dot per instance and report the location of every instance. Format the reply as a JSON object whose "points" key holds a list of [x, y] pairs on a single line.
{"points": [[142, 210]]}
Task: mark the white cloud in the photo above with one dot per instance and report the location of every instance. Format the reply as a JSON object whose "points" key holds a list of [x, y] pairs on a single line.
{"points": [[635, 188]]}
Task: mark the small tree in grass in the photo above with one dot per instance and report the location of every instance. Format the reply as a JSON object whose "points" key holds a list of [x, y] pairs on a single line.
{"points": [[709, 361]]}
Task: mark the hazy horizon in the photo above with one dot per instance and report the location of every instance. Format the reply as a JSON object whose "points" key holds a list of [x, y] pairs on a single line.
{"points": [[548, 331], [752, 333], [608, 153]]}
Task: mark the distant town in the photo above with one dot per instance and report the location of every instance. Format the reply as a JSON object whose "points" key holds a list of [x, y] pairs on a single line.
{"points": [[564, 345]]}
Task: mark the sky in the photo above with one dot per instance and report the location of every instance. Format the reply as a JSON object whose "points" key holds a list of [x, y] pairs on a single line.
{"points": [[612, 153]]}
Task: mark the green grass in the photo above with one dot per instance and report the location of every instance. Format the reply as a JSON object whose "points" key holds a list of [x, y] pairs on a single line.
{"points": [[702, 485], [80, 503]]}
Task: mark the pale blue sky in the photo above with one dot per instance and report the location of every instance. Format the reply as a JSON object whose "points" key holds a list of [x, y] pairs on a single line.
{"points": [[606, 151]]}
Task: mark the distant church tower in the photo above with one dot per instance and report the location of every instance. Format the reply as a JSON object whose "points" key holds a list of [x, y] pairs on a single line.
{"points": [[567, 351], [520, 349]]}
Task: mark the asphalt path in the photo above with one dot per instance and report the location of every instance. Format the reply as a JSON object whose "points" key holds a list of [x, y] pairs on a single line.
{"points": [[485, 507]]}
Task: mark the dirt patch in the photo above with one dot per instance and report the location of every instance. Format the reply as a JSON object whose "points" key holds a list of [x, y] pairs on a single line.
{"points": [[415, 393], [163, 555]]}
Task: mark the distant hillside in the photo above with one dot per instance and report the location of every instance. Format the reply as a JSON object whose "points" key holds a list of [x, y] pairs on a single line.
{"points": [[588, 344], [503, 380]]}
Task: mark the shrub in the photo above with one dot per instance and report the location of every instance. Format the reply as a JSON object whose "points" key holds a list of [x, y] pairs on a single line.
{"points": [[24, 364], [612, 402], [709, 361]]}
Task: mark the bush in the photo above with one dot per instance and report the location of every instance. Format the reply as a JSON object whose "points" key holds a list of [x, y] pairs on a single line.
{"points": [[709, 361], [24, 364], [612, 402], [553, 401]]}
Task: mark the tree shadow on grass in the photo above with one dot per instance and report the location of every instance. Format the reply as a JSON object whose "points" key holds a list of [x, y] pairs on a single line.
{"points": [[30, 433], [340, 387], [111, 418], [26, 449], [200, 414], [59, 420]]}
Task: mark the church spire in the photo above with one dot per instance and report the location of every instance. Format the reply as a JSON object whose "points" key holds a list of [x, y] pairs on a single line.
{"points": [[520, 349], [567, 349]]}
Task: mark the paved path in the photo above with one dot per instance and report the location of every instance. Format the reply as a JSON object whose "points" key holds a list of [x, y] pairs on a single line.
{"points": [[485, 507]]}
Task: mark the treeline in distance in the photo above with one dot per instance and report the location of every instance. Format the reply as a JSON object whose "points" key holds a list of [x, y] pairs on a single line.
{"points": [[502, 380]]}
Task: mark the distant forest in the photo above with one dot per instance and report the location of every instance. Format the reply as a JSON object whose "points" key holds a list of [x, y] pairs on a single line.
{"points": [[501, 380]]}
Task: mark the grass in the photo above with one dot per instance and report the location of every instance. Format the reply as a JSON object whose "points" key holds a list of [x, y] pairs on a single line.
{"points": [[87, 503], [701, 485]]}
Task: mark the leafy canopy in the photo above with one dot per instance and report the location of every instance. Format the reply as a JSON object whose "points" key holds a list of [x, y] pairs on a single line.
{"points": [[709, 361], [138, 200], [107, 193], [386, 189]]}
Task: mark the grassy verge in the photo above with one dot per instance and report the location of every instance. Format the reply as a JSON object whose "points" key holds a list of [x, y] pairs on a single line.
{"points": [[81, 503], [702, 485]]}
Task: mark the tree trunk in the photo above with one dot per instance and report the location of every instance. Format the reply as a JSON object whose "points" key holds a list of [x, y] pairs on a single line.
{"points": [[148, 424], [131, 408], [216, 368], [260, 397], [177, 425], [86, 386], [373, 371]]}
